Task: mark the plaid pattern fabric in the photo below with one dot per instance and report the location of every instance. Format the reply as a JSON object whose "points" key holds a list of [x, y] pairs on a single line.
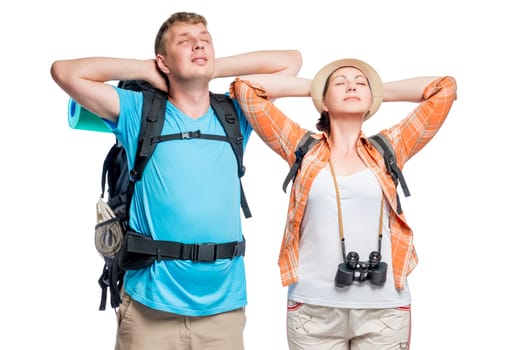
{"points": [[407, 137]]}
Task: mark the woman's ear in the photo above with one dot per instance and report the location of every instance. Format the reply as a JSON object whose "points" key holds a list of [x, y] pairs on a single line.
{"points": [[324, 107]]}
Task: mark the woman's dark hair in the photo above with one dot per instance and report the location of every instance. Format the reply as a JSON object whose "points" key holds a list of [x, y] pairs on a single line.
{"points": [[323, 123]]}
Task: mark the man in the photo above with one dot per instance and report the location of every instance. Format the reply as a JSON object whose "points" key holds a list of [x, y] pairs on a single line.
{"points": [[189, 191]]}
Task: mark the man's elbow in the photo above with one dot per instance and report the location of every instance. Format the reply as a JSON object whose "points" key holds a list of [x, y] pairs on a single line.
{"points": [[54, 70], [58, 72], [294, 63]]}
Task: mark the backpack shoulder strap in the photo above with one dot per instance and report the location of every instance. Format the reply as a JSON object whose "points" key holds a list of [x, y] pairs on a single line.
{"points": [[227, 115], [153, 116], [304, 145], [381, 143]]}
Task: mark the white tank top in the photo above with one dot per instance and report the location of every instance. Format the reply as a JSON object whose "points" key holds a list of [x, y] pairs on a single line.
{"points": [[320, 250]]}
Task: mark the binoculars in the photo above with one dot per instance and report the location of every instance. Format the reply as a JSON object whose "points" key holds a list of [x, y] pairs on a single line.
{"points": [[352, 269]]}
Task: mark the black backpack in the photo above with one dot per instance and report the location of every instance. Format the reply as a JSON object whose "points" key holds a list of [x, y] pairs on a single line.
{"points": [[379, 141], [121, 181]]}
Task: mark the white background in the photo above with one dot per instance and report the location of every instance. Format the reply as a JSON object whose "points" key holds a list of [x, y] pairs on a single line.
{"points": [[466, 201]]}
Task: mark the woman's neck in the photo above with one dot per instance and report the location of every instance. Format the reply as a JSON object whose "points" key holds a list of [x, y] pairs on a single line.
{"points": [[343, 143]]}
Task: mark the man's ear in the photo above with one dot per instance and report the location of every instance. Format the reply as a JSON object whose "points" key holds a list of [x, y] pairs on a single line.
{"points": [[161, 64]]}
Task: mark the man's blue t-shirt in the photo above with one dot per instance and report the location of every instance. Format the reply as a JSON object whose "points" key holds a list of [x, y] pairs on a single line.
{"points": [[189, 193]]}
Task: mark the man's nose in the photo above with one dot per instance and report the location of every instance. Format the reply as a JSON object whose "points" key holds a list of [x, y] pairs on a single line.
{"points": [[199, 44]]}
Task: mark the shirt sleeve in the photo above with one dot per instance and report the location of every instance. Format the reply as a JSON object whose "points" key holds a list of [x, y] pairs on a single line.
{"points": [[278, 131], [421, 125]]}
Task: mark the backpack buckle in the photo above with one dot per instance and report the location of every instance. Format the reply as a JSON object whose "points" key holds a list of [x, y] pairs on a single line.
{"points": [[204, 252], [190, 134]]}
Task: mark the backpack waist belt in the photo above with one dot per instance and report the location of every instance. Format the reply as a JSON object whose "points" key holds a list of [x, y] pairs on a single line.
{"points": [[167, 250]]}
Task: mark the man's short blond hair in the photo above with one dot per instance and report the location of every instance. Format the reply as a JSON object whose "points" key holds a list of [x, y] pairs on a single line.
{"points": [[177, 17]]}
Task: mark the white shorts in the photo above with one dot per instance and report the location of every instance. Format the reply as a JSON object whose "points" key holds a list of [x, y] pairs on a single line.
{"points": [[317, 327]]}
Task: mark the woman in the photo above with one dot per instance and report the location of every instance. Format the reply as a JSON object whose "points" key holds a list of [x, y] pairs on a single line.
{"points": [[343, 200]]}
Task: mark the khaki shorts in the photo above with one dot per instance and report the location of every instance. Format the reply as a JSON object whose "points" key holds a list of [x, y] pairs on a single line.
{"points": [[316, 327], [142, 328]]}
